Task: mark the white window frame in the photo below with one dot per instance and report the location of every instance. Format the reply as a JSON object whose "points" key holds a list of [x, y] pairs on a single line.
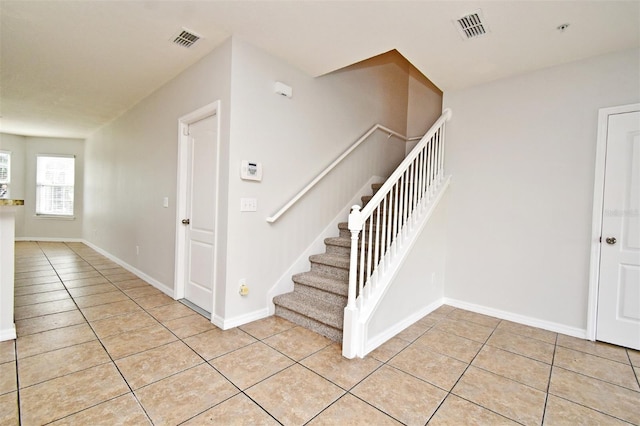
{"points": [[4, 192], [41, 184]]}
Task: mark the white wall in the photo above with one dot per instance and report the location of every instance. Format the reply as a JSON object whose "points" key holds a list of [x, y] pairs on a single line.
{"points": [[295, 139], [419, 283], [24, 151], [522, 154], [424, 105], [131, 165]]}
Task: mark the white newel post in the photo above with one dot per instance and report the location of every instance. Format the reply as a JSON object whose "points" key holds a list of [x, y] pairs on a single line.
{"points": [[349, 327], [7, 252]]}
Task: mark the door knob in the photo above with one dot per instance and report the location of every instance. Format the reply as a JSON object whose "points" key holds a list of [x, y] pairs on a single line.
{"points": [[611, 240], [186, 221]]}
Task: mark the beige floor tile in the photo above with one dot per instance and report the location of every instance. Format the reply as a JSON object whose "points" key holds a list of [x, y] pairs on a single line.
{"points": [[432, 367], [8, 377], [7, 351], [144, 291], [456, 411], [298, 342], [190, 325], [156, 364], [48, 322], [121, 411], [39, 288], [449, 344], [71, 276], [400, 395], [191, 392], [522, 345], [461, 314], [515, 367], [119, 276], [251, 364], [49, 365], [346, 373], [388, 349], [267, 327], [130, 284], [86, 282], [352, 411], [501, 395], [51, 278], [60, 397], [100, 299], [92, 289], [602, 396], [528, 331], [562, 412], [122, 323], [47, 308], [216, 342], [634, 356], [46, 341], [148, 302], [604, 350], [294, 395], [95, 313], [466, 329], [9, 414], [414, 331], [32, 299], [236, 411], [170, 311], [140, 340], [596, 367], [444, 310]]}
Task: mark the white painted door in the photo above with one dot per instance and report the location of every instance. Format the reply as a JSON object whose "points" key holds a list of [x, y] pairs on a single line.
{"points": [[200, 213], [618, 319]]}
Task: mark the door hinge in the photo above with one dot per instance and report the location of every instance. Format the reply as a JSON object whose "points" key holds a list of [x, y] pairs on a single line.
{"points": [[601, 238]]}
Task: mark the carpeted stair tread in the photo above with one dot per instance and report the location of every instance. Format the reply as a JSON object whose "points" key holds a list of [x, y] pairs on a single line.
{"points": [[322, 282], [335, 260], [338, 241], [311, 307]]}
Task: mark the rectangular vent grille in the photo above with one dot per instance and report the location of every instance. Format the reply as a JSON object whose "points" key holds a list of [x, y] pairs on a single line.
{"points": [[471, 26], [186, 38]]}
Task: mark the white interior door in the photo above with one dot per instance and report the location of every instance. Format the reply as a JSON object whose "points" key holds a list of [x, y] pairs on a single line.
{"points": [[200, 213], [618, 318]]}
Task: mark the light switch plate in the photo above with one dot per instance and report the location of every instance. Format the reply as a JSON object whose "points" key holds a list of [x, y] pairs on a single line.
{"points": [[248, 204]]}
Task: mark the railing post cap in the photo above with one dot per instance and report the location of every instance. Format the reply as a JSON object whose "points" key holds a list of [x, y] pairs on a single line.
{"points": [[355, 208]]}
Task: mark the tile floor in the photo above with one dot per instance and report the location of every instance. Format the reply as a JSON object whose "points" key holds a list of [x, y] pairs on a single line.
{"points": [[97, 345]]}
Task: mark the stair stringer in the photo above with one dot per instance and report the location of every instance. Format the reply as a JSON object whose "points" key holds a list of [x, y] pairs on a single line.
{"points": [[302, 263], [356, 342]]}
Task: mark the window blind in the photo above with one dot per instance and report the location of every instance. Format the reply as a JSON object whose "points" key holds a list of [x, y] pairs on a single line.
{"points": [[55, 180]]}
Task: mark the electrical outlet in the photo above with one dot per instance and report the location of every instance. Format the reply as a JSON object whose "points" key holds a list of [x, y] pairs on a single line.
{"points": [[248, 204]]}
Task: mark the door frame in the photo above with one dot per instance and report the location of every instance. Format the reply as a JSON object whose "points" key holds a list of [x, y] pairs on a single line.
{"points": [[212, 109], [598, 205]]}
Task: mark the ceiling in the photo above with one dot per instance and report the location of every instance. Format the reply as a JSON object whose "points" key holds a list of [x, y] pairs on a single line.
{"points": [[69, 67]]}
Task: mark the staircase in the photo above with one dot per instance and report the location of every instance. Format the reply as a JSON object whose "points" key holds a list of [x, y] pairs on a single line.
{"points": [[320, 295]]}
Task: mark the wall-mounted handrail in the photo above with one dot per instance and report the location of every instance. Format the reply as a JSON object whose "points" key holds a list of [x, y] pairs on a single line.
{"points": [[337, 161]]}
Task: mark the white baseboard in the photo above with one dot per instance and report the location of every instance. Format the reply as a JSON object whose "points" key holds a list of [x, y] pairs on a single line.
{"points": [[302, 264], [520, 319], [51, 240], [228, 323], [392, 331], [8, 333], [157, 284]]}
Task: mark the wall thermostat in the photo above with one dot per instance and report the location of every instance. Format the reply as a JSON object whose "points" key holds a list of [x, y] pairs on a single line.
{"points": [[250, 170]]}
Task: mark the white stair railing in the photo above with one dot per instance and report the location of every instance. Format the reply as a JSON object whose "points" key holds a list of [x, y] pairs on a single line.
{"points": [[380, 229]]}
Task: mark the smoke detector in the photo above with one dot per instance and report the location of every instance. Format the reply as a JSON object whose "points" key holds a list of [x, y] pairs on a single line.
{"points": [[472, 25], [186, 38]]}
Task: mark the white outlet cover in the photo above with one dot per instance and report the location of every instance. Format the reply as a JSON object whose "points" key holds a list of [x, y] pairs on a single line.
{"points": [[248, 204]]}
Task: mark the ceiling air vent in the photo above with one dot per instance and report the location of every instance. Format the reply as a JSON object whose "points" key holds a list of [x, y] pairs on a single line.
{"points": [[186, 38], [472, 25]]}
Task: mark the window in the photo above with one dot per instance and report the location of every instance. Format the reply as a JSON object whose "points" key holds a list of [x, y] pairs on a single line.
{"points": [[55, 177], [5, 173]]}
